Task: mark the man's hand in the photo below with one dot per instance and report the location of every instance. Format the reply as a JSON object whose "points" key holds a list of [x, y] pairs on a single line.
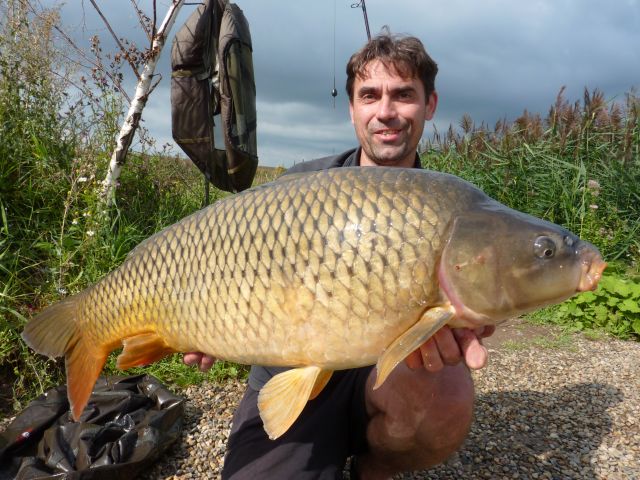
{"points": [[450, 347], [202, 361]]}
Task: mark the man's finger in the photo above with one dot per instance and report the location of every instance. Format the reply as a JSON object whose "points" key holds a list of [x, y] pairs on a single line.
{"points": [[206, 363], [414, 360], [448, 346], [431, 356], [475, 354], [192, 358], [486, 331]]}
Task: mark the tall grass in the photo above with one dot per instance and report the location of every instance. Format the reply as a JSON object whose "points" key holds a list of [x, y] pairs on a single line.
{"points": [[578, 167], [53, 154]]}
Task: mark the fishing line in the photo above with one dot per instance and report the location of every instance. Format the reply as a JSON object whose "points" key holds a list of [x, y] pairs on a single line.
{"points": [[334, 92]]}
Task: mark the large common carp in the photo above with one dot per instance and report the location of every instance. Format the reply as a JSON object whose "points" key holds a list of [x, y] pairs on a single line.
{"points": [[322, 271]]}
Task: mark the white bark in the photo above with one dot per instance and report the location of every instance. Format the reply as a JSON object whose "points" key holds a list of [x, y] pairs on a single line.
{"points": [[138, 103]]}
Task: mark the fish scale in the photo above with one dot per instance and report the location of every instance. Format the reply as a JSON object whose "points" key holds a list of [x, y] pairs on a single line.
{"points": [[321, 271], [285, 218]]}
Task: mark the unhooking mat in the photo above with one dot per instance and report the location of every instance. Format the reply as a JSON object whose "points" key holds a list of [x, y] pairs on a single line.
{"points": [[126, 426]]}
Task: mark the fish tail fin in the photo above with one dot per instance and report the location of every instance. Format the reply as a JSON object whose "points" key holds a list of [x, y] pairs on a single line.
{"points": [[83, 364], [54, 332]]}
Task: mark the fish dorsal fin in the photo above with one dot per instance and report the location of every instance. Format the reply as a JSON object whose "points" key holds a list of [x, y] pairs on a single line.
{"points": [[143, 349], [283, 397], [429, 323]]}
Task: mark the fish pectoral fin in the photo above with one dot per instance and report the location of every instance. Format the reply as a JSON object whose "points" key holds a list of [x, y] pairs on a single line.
{"points": [[143, 349], [429, 323], [283, 398]]}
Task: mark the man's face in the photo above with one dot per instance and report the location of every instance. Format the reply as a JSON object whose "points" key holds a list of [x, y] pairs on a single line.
{"points": [[388, 113]]}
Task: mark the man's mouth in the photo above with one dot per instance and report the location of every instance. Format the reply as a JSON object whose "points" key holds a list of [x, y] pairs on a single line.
{"points": [[388, 133]]}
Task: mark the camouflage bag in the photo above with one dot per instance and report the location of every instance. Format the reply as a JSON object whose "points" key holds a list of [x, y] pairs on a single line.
{"points": [[212, 74]]}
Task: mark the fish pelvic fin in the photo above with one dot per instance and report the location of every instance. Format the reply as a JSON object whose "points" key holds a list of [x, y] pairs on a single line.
{"points": [[283, 398], [429, 323], [323, 378], [142, 349]]}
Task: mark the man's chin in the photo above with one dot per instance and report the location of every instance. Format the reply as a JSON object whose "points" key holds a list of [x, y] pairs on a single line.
{"points": [[389, 159]]}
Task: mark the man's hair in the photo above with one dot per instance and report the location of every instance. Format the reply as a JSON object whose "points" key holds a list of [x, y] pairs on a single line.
{"points": [[404, 54]]}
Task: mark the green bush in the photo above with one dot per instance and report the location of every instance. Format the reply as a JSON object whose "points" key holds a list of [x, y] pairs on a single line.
{"points": [[613, 307]]}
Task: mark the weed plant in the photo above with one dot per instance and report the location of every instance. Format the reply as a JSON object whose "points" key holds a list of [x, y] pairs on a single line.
{"points": [[53, 154]]}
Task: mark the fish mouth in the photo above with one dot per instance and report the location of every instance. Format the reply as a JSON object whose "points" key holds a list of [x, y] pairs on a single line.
{"points": [[592, 267]]}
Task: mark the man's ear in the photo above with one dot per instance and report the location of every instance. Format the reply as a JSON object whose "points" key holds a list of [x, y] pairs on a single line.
{"points": [[351, 110], [432, 103]]}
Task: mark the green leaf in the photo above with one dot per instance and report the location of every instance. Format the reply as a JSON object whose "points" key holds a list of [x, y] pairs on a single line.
{"points": [[613, 301], [623, 289], [586, 297], [636, 326], [629, 305], [601, 313]]}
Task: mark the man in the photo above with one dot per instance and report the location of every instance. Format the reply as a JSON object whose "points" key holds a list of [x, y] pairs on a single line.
{"points": [[423, 411]]}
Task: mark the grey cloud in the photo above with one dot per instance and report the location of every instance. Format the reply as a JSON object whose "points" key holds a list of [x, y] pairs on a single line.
{"points": [[496, 59]]}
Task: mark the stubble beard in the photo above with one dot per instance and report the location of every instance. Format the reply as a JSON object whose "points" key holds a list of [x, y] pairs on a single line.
{"points": [[386, 156]]}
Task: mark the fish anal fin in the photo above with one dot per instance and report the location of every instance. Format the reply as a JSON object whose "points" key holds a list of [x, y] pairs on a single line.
{"points": [[83, 366], [283, 398], [429, 323], [143, 349]]}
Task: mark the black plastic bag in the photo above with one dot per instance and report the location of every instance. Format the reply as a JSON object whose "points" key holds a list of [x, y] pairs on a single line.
{"points": [[127, 424]]}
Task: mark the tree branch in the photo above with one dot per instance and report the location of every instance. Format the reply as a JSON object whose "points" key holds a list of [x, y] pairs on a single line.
{"points": [[127, 132], [142, 17], [115, 37]]}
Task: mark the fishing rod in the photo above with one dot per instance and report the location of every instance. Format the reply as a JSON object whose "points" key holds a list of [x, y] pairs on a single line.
{"points": [[362, 4]]}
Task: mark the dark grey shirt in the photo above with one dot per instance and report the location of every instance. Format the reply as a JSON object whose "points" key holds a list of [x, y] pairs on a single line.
{"points": [[259, 375]]}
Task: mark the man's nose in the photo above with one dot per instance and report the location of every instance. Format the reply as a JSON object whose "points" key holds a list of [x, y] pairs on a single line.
{"points": [[386, 108]]}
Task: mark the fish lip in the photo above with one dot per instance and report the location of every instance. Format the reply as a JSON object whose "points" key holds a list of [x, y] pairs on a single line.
{"points": [[591, 269]]}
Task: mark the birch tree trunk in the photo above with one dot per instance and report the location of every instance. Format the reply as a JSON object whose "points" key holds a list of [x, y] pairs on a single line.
{"points": [[131, 122]]}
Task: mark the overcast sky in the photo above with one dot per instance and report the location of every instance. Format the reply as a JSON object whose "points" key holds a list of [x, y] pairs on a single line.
{"points": [[496, 58]]}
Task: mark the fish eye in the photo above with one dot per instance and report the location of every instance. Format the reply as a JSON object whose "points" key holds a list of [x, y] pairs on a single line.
{"points": [[544, 247]]}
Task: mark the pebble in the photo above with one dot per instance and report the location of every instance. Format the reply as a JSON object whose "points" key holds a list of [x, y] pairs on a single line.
{"points": [[541, 413]]}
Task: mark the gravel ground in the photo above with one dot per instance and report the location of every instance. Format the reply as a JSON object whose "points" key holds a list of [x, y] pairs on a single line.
{"points": [[548, 407]]}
